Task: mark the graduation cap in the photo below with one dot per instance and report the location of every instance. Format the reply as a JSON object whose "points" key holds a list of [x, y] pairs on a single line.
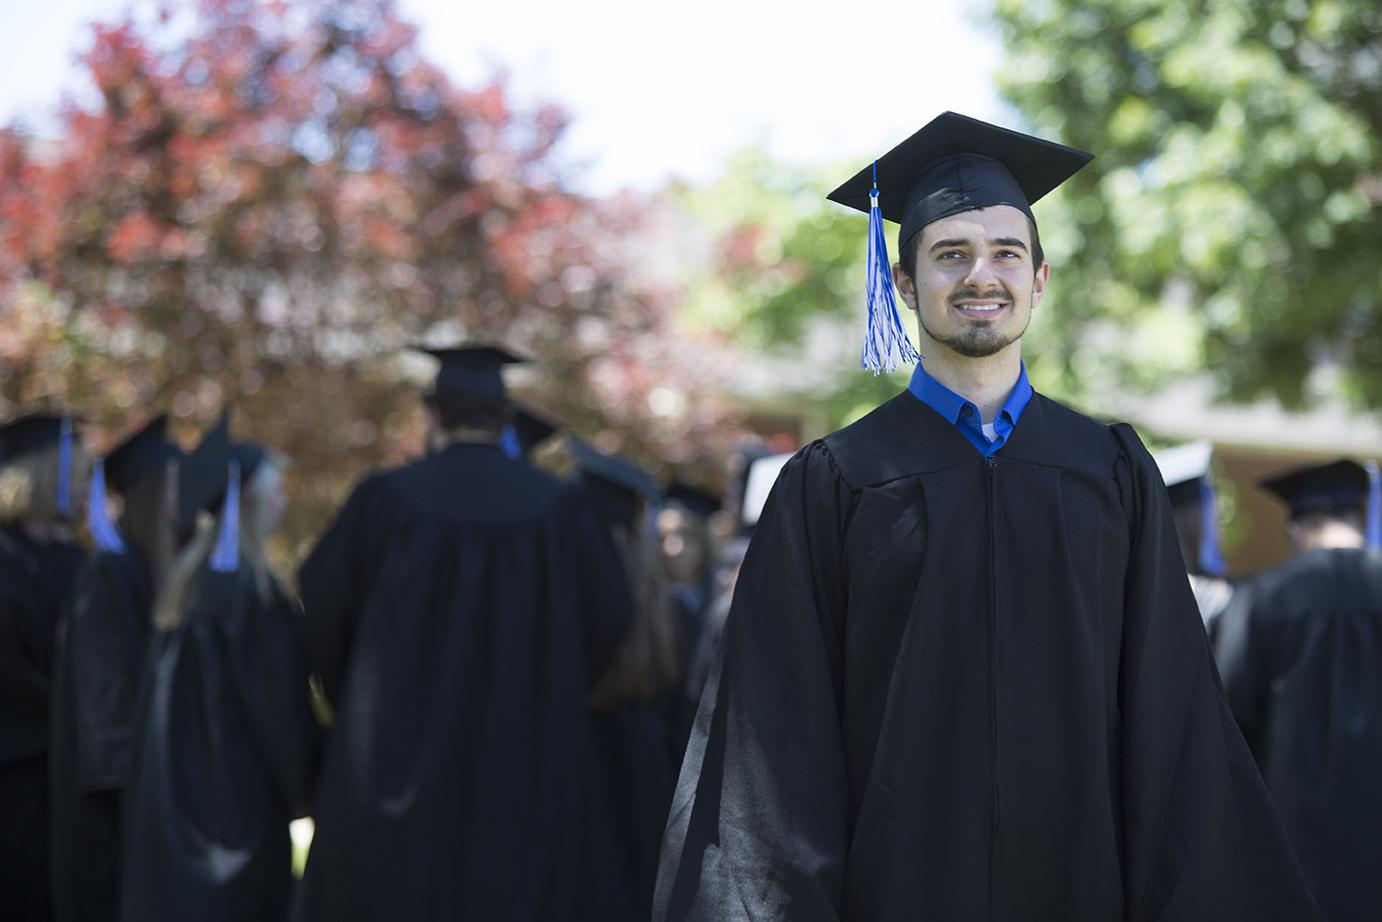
{"points": [[470, 370], [146, 452], [617, 485], [213, 473], [953, 164], [37, 432], [693, 499], [1185, 469], [1339, 486]]}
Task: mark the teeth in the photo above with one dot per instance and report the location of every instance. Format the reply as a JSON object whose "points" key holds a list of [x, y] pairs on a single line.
{"points": [[980, 308]]}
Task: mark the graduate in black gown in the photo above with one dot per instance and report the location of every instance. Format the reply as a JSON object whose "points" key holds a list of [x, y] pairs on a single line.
{"points": [[964, 676], [225, 738], [1300, 651], [41, 468], [103, 639], [458, 611], [690, 553], [635, 700], [1190, 487]]}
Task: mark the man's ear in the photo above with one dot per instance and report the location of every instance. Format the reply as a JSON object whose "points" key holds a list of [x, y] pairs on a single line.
{"points": [[905, 286], [1039, 280]]}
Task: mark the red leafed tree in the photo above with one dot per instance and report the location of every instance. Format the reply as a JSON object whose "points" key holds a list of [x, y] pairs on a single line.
{"points": [[271, 199]]}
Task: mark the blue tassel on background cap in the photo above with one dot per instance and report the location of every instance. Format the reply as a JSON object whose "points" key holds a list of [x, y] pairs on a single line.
{"points": [[1374, 528], [886, 343], [65, 467], [1211, 558], [509, 444], [226, 556], [104, 534]]}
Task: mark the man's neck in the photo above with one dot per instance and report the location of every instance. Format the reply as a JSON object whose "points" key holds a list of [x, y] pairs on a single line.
{"points": [[985, 382]]}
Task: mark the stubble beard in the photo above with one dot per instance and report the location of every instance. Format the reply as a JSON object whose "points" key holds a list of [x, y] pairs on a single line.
{"points": [[979, 339]]}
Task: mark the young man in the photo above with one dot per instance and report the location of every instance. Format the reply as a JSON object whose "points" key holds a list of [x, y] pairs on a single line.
{"points": [[458, 612], [1300, 650], [964, 676]]}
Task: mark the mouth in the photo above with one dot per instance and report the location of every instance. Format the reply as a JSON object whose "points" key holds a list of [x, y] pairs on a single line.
{"points": [[986, 308]]}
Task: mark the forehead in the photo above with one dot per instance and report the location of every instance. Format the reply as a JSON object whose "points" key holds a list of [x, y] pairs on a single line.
{"points": [[979, 224]]}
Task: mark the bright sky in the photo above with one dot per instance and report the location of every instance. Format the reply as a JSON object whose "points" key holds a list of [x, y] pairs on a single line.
{"points": [[655, 89]]}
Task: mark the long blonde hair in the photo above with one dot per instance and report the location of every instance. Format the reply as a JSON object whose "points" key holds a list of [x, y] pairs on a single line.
{"points": [[255, 524]]}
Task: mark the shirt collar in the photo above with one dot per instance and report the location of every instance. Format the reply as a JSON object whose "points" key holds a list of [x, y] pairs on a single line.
{"points": [[950, 404]]}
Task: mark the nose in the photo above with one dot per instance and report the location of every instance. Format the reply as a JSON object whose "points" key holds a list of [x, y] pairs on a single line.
{"points": [[981, 272]]}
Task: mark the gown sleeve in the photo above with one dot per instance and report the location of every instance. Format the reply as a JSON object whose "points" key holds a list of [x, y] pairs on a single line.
{"points": [[1239, 655], [759, 827], [1202, 839], [331, 583]]}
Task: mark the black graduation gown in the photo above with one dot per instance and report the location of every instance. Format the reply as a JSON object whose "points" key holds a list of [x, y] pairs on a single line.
{"points": [[456, 611], [953, 688], [34, 580], [101, 649], [1300, 651], [222, 759]]}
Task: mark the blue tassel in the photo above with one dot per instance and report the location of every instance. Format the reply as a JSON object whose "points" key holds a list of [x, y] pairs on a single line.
{"points": [[509, 444], [65, 468], [104, 534], [1211, 559], [1374, 528], [886, 343], [226, 556]]}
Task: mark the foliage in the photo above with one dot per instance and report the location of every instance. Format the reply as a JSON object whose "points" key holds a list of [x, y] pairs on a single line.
{"points": [[1230, 220], [270, 200]]}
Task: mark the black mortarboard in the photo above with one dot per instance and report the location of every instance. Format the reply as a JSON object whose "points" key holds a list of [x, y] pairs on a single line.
{"points": [[617, 486], [693, 499], [144, 453], [30, 433], [956, 163], [204, 473], [531, 430], [1339, 486], [471, 370]]}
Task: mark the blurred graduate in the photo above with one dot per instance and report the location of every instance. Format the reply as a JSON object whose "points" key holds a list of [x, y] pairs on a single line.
{"points": [[42, 471], [1190, 487], [1300, 652], [459, 610], [102, 642], [224, 742], [964, 676]]}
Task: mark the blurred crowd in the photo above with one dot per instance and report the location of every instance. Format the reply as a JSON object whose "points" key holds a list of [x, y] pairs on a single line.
{"points": [[484, 682]]}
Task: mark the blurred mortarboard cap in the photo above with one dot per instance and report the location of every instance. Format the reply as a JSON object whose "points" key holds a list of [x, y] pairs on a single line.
{"points": [[146, 452], [617, 486], [693, 499], [204, 473], [762, 474], [1184, 468], [955, 163], [31, 432], [1339, 486], [470, 370], [531, 429]]}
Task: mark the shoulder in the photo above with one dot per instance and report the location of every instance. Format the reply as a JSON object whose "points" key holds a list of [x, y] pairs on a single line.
{"points": [[899, 438], [1055, 435], [468, 484]]}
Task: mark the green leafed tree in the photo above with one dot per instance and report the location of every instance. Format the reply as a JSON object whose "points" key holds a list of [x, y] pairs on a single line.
{"points": [[1229, 222]]}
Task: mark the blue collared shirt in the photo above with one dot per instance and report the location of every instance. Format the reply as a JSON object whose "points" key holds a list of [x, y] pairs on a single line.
{"points": [[964, 415]]}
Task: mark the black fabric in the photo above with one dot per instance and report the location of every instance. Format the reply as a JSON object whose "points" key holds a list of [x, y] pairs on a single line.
{"points": [[34, 580], [100, 657], [1339, 486], [144, 453], [457, 611], [223, 754], [29, 433], [1300, 649], [958, 689]]}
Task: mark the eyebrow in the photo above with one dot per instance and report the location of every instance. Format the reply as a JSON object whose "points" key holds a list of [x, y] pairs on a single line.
{"points": [[960, 242]]}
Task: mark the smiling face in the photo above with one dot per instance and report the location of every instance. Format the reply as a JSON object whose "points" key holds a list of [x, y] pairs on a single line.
{"points": [[976, 282]]}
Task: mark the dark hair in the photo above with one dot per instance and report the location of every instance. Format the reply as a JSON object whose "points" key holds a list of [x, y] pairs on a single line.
{"points": [[908, 255], [459, 412]]}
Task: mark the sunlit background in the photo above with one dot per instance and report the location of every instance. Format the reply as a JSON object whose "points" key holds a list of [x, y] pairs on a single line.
{"points": [[256, 204]]}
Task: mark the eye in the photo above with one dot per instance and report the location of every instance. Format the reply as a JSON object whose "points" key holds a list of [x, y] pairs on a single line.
{"points": [[1013, 254], [947, 254]]}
